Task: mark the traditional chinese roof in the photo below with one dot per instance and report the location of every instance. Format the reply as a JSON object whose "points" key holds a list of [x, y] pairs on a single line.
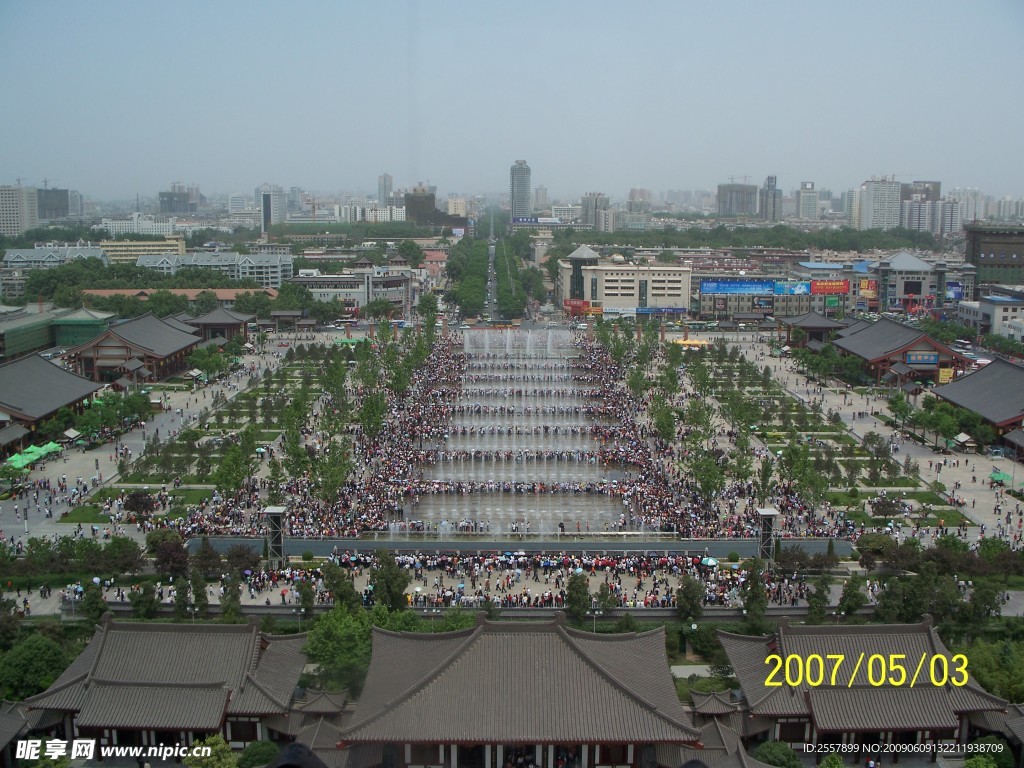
{"points": [[995, 392], [851, 704], [32, 387], [440, 688], [176, 676]]}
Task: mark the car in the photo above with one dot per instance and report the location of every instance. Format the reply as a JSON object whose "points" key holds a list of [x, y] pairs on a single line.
{"points": [[284, 344], [463, 327]]}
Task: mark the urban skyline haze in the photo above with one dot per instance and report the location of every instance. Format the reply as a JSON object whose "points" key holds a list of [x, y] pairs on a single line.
{"points": [[122, 98]]}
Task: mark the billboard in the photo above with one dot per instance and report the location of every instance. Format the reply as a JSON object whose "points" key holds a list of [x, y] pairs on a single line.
{"points": [[525, 220], [868, 289], [831, 302], [458, 231], [575, 303], [738, 286], [922, 358], [829, 287], [945, 375], [719, 305], [955, 291], [764, 303], [783, 288]]}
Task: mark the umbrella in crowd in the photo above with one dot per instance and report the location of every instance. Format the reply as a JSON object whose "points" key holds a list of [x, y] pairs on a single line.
{"points": [[709, 561]]}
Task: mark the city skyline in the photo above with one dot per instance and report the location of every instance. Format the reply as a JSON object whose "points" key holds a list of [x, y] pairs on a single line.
{"points": [[124, 99]]}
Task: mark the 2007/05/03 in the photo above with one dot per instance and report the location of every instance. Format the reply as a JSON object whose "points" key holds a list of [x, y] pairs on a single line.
{"points": [[895, 748], [815, 670]]}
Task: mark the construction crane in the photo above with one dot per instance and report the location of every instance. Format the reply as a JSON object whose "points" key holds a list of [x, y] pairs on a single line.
{"points": [[46, 183], [732, 179]]}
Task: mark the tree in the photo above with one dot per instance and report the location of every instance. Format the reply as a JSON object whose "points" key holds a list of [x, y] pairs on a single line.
{"points": [[123, 554], [240, 558], [690, 599], [171, 558], [207, 560], [763, 484], [339, 584], [197, 585], [31, 666], [411, 252], [258, 753], [331, 471], [205, 302], [231, 600], [93, 604], [144, 601], [389, 582], [232, 470], [577, 600], [221, 755], [755, 601], [10, 475], [339, 644], [778, 754], [853, 597], [818, 600]]}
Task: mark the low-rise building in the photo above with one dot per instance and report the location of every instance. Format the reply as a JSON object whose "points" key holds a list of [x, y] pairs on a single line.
{"points": [[588, 284], [992, 314], [129, 251], [32, 389], [358, 287], [18, 262], [267, 269], [162, 349]]}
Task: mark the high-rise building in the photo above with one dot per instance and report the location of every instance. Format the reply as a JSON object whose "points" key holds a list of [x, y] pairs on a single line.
{"points": [[996, 251], [238, 203], [174, 203], [769, 200], [385, 184], [456, 205], [272, 203], [519, 190], [737, 199], [940, 217], [52, 204], [875, 205], [973, 203], [590, 204], [925, 191], [806, 201], [19, 210], [540, 198], [639, 200]]}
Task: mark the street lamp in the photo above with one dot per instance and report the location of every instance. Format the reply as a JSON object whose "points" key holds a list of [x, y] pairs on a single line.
{"points": [[595, 613], [300, 613], [192, 610], [432, 613]]}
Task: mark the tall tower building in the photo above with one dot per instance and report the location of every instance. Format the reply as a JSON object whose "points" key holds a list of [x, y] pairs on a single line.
{"points": [[769, 200], [591, 203], [273, 203], [385, 185], [737, 199], [639, 200], [19, 210], [519, 189], [806, 201], [540, 198], [877, 205]]}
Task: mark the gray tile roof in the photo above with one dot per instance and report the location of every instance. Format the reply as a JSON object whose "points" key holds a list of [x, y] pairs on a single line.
{"points": [[852, 701], [879, 339], [812, 320], [11, 433], [152, 664], [621, 687], [881, 709], [719, 703], [1015, 438], [162, 707], [152, 334], [180, 325], [32, 387], [995, 392], [221, 316], [13, 722]]}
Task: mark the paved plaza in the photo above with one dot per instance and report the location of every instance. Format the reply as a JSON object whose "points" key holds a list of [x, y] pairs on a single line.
{"points": [[970, 472]]}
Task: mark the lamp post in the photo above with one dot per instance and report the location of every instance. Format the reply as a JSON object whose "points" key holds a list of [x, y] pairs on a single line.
{"points": [[432, 613], [192, 610], [300, 614], [595, 613]]}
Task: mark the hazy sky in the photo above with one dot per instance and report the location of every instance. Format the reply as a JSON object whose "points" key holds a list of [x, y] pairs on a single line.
{"points": [[118, 98]]}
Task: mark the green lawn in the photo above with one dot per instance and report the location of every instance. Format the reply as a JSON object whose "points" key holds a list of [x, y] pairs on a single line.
{"points": [[86, 513], [190, 495]]}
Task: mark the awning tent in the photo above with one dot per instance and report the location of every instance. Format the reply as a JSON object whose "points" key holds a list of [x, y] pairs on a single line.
{"points": [[965, 440], [72, 434]]}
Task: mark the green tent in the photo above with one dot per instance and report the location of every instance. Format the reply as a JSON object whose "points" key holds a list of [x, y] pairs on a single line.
{"points": [[19, 461], [51, 447], [33, 452], [1000, 477]]}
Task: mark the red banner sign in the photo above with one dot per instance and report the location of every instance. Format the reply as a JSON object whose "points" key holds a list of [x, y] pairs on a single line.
{"points": [[829, 287]]}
